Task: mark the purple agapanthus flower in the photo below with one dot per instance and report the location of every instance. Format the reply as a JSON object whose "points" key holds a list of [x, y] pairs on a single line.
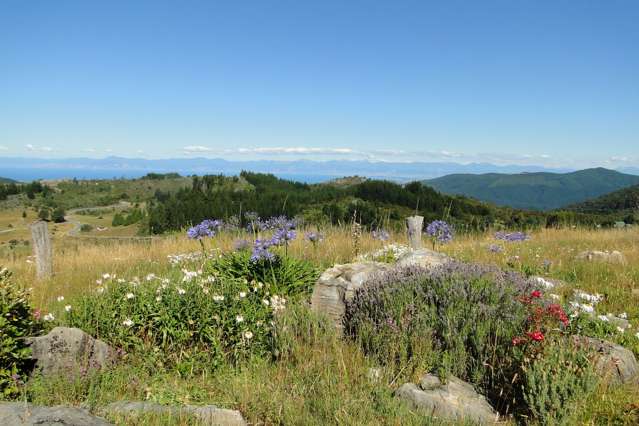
{"points": [[282, 236], [380, 234], [512, 236], [440, 231], [261, 251], [281, 222], [204, 229]]}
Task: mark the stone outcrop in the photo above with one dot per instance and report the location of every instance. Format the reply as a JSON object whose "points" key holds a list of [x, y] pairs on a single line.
{"points": [[21, 414], [69, 351], [338, 284], [207, 415], [454, 400], [602, 256], [614, 362]]}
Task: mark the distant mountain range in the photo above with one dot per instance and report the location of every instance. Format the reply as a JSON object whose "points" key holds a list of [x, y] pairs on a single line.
{"points": [[538, 191], [26, 169]]}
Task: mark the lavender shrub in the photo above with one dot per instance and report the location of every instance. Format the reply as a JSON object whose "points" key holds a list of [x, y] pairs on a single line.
{"points": [[456, 319]]}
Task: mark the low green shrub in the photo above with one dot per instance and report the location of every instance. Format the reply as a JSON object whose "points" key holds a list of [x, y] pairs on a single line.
{"points": [[556, 380], [189, 321], [17, 321], [284, 275]]}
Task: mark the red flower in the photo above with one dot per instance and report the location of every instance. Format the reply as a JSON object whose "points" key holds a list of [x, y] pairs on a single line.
{"points": [[535, 294], [536, 335]]}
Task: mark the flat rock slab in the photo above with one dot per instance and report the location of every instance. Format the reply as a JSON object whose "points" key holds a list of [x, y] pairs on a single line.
{"points": [[69, 351], [602, 256], [19, 414], [208, 415], [454, 400], [614, 362], [423, 258]]}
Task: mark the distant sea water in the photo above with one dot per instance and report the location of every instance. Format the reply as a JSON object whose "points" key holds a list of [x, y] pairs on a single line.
{"points": [[27, 175]]}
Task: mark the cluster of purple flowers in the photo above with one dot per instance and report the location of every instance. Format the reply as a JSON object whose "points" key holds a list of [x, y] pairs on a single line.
{"points": [[257, 224], [284, 231], [261, 251], [204, 229], [512, 236], [440, 231], [380, 234]]}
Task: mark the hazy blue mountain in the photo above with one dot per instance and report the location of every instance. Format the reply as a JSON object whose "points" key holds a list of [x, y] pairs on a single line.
{"points": [[542, 191], [302, 170]]}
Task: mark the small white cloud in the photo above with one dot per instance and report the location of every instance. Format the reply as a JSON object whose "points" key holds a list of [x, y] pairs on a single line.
{"points": [[3, 148], [33, 148], [197, 148], [90, 150]]}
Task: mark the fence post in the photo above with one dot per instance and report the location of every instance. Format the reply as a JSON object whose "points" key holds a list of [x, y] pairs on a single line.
{"points": [[42, 249], [415, 224]]}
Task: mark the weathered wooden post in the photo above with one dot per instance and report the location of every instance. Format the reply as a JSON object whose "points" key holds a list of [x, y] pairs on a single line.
{"points": [[415, 224], [42, 249]]}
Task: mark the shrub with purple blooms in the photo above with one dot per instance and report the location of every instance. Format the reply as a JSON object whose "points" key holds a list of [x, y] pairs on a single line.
{"points": [[439, 231], [457, 319]]}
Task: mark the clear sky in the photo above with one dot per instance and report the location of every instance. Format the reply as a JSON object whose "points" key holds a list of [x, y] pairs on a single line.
{"points": [[514, 81]]}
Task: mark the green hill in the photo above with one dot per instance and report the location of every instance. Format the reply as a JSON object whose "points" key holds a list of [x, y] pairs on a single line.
{"points": [[621, 204], [6, 180], [538, 191]]}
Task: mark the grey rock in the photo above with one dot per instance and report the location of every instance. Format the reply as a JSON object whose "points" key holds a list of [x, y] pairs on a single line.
{"points": [[338, 284], [19, 414], [454, 400], [69, 351], [423, 258], [208, 415], [613, 362], [602, 256]]}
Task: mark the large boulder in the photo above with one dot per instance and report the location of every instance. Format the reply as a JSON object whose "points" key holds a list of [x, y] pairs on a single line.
{"points": [[338, 284], [602, 256], [614, 362], [69, 351], [208, 415], [19, 414], [454, 400]]}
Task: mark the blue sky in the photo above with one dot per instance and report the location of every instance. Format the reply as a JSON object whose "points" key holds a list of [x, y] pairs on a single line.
{"points": [[527, 82]]}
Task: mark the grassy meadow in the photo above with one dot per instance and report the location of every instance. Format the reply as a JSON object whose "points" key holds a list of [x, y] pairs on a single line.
{"points": [[322, 378]]}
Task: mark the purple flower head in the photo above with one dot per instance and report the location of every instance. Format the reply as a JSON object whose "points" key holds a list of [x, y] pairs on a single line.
{"points": [[261, 251], [314, 237], [283, 236], [380, 234], [512, 236], [281, 222], [207, 228], [440, 231]]}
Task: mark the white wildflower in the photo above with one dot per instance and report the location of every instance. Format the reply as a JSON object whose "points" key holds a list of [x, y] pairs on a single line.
{"points": [[239, 319], [130, 295], [181, 291], [248, 335], [242, 294], [218, 298], [603, 318], [620, 330], [127, 322], [67, 308], [623, 315], [49, 317], [60, 298]]}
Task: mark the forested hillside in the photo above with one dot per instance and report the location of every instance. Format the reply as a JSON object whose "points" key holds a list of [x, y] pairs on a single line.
{"points": [[622, 205], [539, 191]]}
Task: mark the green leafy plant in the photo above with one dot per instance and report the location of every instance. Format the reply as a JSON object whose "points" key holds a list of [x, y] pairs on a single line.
{"points": [[555, 379], [284, 275], [189, 322], [17, 321]]}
